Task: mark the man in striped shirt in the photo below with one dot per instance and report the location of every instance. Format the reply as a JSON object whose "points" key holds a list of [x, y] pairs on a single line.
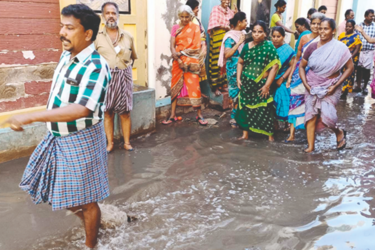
{"points": [[366, 57], [68, 169]]}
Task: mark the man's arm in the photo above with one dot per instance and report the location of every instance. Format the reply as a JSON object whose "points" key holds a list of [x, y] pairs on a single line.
{"points": [[66, 114]]}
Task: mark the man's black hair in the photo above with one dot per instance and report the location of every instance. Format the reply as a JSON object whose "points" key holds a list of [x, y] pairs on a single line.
{"points": [[111, 3], [87, 17], [323, 7], [192, 3], [368, 12], [347, 12]]}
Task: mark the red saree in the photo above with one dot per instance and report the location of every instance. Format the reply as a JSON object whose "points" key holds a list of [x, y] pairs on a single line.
{"points": [[188, 43]]}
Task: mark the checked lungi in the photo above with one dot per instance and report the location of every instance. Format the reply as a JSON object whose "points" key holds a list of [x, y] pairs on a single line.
{"points": [[119, 97], [69, 171]]}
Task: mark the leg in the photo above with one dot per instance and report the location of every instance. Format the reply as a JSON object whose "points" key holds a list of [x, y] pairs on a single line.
{"points": [[78, 212], [245, 135], [174, 105], [271, 138], [108, 127], [366, 78], [310, 130], [91, 214], [199, 113], [339, 136], [292, 133], [359, 79], [126, 125], [172, 117]]}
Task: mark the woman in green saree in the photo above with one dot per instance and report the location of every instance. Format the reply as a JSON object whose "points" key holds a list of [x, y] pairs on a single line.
{"points": [[257, 68]]}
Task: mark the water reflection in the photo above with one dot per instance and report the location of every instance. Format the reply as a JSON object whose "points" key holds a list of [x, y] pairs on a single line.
{"points": [[199, 188]]}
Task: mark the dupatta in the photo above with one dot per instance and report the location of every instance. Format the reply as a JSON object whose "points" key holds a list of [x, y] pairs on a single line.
{"points": [[236, 36]]}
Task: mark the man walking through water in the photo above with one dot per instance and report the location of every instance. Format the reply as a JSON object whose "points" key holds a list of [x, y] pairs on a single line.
{"points": [[366, 57], [117, 47], [68, 169]]}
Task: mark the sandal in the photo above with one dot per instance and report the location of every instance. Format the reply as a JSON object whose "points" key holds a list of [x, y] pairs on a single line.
{"points": [[339, 142], [132, 149], [169, 121], [233, 123], [201, 121]]}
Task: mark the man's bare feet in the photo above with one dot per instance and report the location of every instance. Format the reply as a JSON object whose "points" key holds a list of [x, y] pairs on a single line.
{"points": [[128, 147], [217, 92], [271, 138], [110, 147]]}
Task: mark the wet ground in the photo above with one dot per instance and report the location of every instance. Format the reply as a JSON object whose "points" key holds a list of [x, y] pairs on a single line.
{"points": [[200, 188]]}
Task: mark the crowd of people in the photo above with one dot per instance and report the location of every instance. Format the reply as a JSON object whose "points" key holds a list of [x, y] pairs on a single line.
{"points": [[272, 86], [268, 81]]}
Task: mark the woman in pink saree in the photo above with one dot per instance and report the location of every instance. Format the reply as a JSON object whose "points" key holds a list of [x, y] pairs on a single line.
{"points": [[325, 59]]}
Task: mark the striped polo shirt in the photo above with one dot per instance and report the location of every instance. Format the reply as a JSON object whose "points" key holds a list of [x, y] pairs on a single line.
{"points": [[81, 80]]}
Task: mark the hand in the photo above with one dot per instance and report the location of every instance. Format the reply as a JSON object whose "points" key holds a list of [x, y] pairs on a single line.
{"points": [[280, 81], [264, 91], [16, 122], [359, 28], [239, 84], [288, 83], [242, 39], [175, 56], [182, 65], [308, 88], [331, 90]]}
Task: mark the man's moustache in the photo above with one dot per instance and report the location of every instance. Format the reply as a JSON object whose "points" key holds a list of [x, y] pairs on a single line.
{"points": [[62, 39]]}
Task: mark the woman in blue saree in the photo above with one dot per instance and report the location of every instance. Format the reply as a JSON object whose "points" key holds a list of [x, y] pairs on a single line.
{"points": [[281, 92], [230, 51], [303, 28]]}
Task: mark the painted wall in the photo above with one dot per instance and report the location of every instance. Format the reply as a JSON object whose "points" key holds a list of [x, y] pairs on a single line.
{"points": [[29, 50], [360, 7], [164, 16]]}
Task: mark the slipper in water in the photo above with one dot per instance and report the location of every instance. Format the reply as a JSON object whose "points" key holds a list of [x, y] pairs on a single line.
{"points": [[233, 123], [128, 144], [339, 142], [169, 121], [201, 121]]}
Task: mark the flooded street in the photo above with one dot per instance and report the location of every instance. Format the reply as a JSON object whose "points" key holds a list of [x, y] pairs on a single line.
{"points": [[199, 188]]}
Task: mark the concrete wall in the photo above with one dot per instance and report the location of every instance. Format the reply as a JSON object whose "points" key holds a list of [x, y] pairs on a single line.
{"points": [[162, 16], [29, 50], [14, 145]]}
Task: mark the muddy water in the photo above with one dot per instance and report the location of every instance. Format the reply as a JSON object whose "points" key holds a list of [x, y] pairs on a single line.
{"points": [[199, 188]]}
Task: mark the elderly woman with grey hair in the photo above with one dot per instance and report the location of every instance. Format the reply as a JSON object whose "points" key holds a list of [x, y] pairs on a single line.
{"points": [[185, 48], [296, 116]]}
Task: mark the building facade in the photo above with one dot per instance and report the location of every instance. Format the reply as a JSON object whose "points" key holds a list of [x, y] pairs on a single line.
{"points": [[30, 49]]}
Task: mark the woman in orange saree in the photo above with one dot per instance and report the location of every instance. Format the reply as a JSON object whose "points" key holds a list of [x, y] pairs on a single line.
{"points": [[185, 48]]}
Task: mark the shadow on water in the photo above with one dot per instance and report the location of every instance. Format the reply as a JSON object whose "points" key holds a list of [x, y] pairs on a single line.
{"points": [[199, 188]]}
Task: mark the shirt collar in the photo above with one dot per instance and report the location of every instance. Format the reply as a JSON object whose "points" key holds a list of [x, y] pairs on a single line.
{"points": [[84, 54], [104, 31]]}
